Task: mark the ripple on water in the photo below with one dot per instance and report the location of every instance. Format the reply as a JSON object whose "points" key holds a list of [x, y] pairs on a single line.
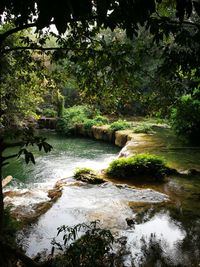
{"points": [[108, 203]]}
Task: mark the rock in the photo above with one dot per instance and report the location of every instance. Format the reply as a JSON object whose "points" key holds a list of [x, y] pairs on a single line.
{"points": [[54, 194], [6, 180], [130, 221], [193, 172], [121, 137], [90, 178], [47, 123], [103, 133], [81, 131]]}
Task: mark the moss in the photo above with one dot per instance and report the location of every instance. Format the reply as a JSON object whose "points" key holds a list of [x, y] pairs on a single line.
{"points": [[88, 175], [144, 167]]}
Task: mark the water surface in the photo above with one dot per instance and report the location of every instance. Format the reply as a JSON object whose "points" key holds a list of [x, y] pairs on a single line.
{"points": [[171, 220]]}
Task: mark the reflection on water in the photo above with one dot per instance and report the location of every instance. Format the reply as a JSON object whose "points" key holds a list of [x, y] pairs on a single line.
{"points": [[107, 203], [179, 155], [173, 227]]}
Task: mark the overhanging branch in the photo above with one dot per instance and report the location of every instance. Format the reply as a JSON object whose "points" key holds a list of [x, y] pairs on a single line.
{"points": [[16, 48], [4, 35]]}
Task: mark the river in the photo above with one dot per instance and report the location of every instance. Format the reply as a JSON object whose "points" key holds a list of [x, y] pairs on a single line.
{"points": [[164, 215]]}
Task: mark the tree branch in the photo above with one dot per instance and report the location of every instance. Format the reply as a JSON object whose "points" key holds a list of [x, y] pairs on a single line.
{"points": [[4, 35], [9, 157], [32, 48], [9, 145]]}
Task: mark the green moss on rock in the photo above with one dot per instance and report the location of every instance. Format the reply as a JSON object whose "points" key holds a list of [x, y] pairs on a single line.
{"points": [[88, 176]]}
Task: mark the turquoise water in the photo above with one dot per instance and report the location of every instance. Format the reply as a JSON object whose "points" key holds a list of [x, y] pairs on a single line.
{"points": [[175, 223], [67, 154]]}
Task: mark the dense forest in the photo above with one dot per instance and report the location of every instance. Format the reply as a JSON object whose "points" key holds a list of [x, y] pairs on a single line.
{"points": [[84, 64]]}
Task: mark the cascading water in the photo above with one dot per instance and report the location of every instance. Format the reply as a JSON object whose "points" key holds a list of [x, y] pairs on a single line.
{"points": [[110, 203]]}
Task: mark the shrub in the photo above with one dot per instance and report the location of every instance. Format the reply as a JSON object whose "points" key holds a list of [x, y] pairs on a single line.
{"points": [[98, 120], [143, 128], [71, 117], [49, 112], [185, 116], [139, 166], [120, 125], [82, 111], [91, 249]]}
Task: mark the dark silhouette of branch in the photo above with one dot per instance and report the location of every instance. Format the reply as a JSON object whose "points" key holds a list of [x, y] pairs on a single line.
{"points": [[32, 48], [9, 157], [4, 35], [9, 145]]}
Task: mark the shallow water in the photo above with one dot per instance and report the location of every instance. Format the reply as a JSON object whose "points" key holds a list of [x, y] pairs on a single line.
{"points": [[169, 221]]}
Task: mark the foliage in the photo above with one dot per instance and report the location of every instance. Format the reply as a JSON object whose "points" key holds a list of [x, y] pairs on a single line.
{"points": [[97, 121], [78, 115], [185, 116], [120, 125], [23, 79], [27, 139], [141, 166], [49, 112], [109, 83], [72, 116], [88, 175], [91, 249], [143, 128], [126, 14]]}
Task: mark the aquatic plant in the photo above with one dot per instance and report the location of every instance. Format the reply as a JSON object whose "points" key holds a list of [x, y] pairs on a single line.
{"points": [[139, 166]]}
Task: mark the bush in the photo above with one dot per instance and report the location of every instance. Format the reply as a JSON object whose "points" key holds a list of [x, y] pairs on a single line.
{"points": [[185, 116], [143, 128], [139, 166], [120, 125], [72, 116], [91, 249], [49, 112], [98, 120], [81, 111]]}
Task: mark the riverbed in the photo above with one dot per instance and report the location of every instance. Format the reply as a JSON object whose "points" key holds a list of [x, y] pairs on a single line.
{"points": [[163, 215]]}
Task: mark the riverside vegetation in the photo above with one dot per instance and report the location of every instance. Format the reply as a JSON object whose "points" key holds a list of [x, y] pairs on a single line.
{"points": [[137, 58]]}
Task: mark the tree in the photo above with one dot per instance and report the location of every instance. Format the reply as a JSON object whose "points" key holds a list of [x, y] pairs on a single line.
{"points": [[113, 71], [99, 13]]}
